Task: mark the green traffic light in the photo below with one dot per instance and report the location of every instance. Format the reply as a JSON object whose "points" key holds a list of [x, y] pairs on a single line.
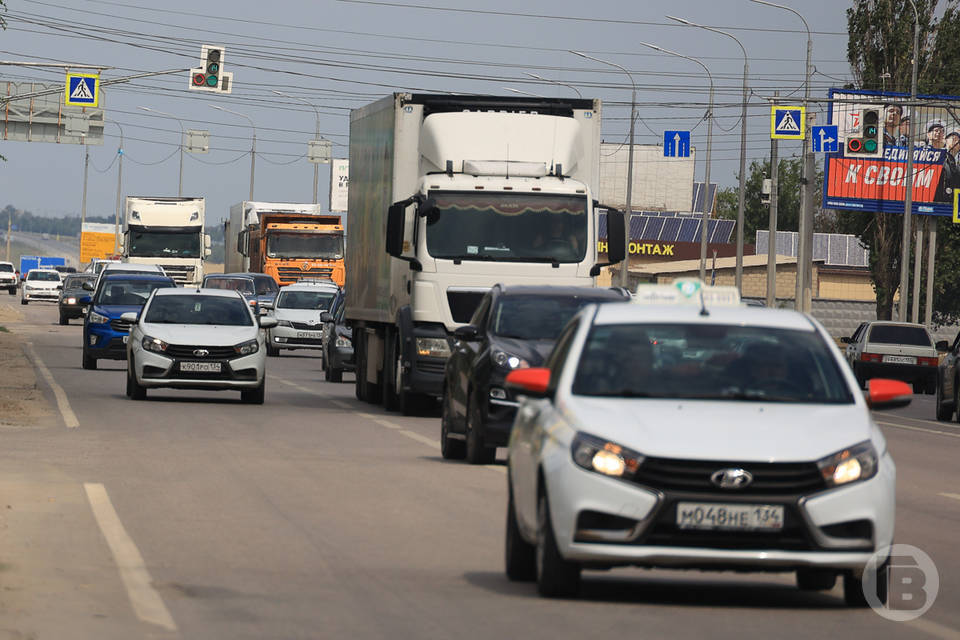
{"points": [[211, 81], [870, 146]]}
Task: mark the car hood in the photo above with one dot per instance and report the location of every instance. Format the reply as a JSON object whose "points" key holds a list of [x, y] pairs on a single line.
{"points": [[42, 284], [212, 335], [299, 315], [533, 351], [116, 310], [719, 430]]}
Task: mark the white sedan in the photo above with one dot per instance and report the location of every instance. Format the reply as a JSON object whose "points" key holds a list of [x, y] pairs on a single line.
{"points": [[197, 339], [699, 436]]}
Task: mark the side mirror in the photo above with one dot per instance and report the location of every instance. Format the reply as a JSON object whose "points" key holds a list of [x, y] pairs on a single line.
{"points": [[206, 241], [266, 305], [616, 238], [943, 346], [87, 286], [531, 382], [326, 316], [130, 316], [846, 340], [60, 286], [395, 223], [427, 208], [888, 394], [268, 322], [85, 299], [467, 333]]}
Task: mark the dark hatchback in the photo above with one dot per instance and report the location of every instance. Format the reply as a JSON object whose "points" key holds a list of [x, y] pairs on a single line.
{"points": [[337, 341], [259, 289], [105, 334], [514, 327], [69, 303]]}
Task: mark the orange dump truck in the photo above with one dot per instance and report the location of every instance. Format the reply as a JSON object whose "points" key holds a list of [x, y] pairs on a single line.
{"points": [[292, 247]]}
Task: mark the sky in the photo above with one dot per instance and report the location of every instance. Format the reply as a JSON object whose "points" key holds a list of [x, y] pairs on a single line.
{"points": [[337, 55]]}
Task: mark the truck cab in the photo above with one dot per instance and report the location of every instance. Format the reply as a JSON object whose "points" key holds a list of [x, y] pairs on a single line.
{"points": [[167, 232]]}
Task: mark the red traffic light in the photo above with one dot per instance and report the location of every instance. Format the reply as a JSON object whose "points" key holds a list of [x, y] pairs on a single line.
{"points": [[199, 79], [854, 145]]}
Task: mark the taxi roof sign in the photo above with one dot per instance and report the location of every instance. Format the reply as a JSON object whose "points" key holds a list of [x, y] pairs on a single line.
{"points": [[687, 291]]}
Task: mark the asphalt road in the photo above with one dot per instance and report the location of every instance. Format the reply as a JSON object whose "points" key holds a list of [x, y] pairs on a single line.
{"points": [[315, 516]]}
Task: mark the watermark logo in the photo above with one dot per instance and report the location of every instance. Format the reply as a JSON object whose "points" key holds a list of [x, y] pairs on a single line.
{"points": [[912, 582]]}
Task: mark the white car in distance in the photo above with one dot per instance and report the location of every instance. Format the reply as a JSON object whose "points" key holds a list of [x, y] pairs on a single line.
{"points": [[686, 431], [41, 284], [297, 311], [187, 338]]}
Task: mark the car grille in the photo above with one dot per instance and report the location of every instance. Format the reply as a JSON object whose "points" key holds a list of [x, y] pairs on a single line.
{"points": [[305, 341], [303, 326], [120, 326], [287, 275], [186, 352], [769, 478], [463, 304]]}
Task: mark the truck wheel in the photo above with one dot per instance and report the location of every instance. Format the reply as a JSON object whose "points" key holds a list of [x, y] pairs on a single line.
{"points": [[556, 577], [393, 399], [89, 362], [360, 384], [477, 451], [520, 556]]}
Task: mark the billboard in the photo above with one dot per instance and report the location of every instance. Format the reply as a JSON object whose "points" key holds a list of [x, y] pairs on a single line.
{"points": [[96, 241], [659, 183], [868, 172], [339, 181]]}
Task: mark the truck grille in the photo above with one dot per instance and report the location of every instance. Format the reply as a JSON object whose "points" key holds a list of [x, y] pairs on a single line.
{"points": [[181, 274], [769, 478], [288, 275]]}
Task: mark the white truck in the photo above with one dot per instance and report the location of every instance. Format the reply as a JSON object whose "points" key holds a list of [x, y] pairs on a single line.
{"points": [[449, 195], [245, 214], [167, 232]]}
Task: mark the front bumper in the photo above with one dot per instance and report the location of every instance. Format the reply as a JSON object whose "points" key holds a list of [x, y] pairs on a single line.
{"points": [[154, 370], [499, 412], [50, 295], [821, 530], [292, 338], [104, 342], [71, 310]]}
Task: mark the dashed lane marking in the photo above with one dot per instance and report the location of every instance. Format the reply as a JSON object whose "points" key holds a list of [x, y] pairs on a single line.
{"points": [[63, 403], [903, 426], [955, 496], [147, 603]]}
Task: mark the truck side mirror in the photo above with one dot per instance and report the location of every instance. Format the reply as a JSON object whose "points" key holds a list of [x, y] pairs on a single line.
{"points": [[206, 241], [615, 237], [395, 222]]}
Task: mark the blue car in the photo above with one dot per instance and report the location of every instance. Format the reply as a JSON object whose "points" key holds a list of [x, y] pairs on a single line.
{"points": [[104, 333]]}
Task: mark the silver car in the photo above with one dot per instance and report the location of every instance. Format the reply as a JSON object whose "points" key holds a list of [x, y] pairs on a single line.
{"points": [[197, 339], [297, 312]]}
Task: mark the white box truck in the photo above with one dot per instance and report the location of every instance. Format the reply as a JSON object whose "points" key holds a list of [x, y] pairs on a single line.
{"points": [[168, 232], [449, 195]]}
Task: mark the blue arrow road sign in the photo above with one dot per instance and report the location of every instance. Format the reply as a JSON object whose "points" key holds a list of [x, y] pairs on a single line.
{"points": [[825, 139], [676, 144]]}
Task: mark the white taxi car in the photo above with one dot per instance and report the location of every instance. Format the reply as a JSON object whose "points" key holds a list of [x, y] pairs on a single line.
{"points": [[297, 310], [687, 431]]}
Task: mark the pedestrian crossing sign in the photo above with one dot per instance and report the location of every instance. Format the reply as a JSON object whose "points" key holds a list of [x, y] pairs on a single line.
{"points": [[82, 90], [787, 123]]}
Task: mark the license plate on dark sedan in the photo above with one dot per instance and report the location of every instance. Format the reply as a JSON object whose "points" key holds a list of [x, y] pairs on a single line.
{"points": [[200, 367], [742, 517]]}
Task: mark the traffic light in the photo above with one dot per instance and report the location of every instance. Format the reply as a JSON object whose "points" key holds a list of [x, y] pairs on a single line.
{"points": [[211, 76], [870, 142]]}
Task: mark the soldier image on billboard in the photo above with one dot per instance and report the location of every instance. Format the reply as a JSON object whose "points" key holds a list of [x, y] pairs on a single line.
{"points": [[892, 115], [903, 140], [950, 178]]}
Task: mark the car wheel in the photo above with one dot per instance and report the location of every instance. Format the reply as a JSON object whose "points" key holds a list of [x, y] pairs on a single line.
{"points": [[23, 301], [89, 362], [336, 375], [477, 451], [520, 555], [450, 448], [64, 319], [853, 587], [944, 412], [272, 351], [556, 577], [816, 580], [255, 396], [12, 291], [956, 398], [135, 390]]}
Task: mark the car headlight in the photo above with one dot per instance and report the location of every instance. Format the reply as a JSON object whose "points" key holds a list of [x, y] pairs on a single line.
{"points": [[284, 323], [96, 318], [508, 360], [599, 455], [433, 347], [248, 347], [71, 301], [343, 342], [153, 344], [855, 463]]}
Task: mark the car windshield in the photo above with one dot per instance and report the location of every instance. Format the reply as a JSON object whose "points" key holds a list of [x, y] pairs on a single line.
{"points": [[75, 282], [709, 362], [305, 300], [509, 226], [534, 317], [266, 286], [8, 268], [197, 308], [165, 244], [304, 245], [243, 285], [897, 334], [44, 275], [128, 292]]}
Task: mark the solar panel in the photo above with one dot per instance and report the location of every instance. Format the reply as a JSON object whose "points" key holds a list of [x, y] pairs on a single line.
{"points": [[689, 230], [721, 230], [653, 228], [671, 229], [637, 224]]}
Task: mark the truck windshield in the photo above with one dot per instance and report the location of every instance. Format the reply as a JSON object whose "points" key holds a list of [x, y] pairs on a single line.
{"points": [[304, 245], [516, 227], [165, 244]]}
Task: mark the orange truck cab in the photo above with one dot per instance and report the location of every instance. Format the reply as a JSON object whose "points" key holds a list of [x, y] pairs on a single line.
{"points": [[293, 247]]}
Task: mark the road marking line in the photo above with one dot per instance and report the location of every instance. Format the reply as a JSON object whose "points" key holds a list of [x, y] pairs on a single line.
{"points": [[903, 426], [63, 404], [937, 423], [955, 496], [934, 629], [413, 435], [147, 603]]}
